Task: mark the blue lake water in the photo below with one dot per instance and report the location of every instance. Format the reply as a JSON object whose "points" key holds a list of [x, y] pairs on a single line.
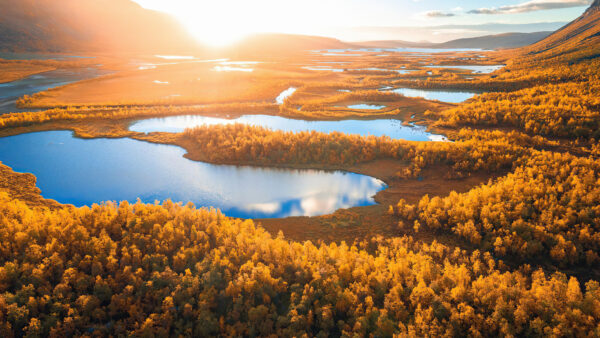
{"points": [[366, 106], [388, 127], [11, 91], [444, 96], [39, 56], [83, 172], [399, 71], [485, 69]]}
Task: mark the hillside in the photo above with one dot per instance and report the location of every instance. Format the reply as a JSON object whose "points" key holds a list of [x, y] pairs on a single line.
{"points": [[87, 25], [397, 44], [498, 41], [578, 40]]}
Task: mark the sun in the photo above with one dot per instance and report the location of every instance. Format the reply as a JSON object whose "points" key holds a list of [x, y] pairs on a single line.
{"points": [[215, 34], [224, 22], [212, 23], [216, 23]]}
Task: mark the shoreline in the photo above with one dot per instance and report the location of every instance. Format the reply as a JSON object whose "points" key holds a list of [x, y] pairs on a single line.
{"points": [[431, 182]]}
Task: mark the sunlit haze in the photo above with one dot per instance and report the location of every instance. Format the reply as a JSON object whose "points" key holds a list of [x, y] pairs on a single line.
{"points": [[220, 23]]}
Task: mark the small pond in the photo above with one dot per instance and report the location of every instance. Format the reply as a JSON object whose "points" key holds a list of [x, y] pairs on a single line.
{"points": [[485, 69], [366, 106], [440, 95]]}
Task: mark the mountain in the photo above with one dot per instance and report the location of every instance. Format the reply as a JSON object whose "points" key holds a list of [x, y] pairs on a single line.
{"points": [[577, 40], [89, 26], [284, 44], [397, 44], [498, 41], [440, 34]]}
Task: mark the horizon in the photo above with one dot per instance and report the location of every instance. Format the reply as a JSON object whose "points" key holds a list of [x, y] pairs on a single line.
{"points": [[358, 20]]}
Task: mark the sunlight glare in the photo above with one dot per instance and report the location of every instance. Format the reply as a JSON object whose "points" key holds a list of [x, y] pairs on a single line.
{"points": [[222, 23]]}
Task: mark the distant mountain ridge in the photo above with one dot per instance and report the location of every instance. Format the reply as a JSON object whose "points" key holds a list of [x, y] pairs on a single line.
{"points": [[396, 44], [577, 40], [87, 25], [497, 41]]}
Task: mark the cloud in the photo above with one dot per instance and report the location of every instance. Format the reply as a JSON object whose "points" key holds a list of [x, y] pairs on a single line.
{"points": [[438, 14], [531, 6]]}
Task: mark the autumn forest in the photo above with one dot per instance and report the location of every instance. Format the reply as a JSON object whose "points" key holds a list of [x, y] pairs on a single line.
{"points": [[299, 187]]}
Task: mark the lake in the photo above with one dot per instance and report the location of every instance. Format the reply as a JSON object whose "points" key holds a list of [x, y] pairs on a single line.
{"points": [[440, 95], [40, 56], [323, 68], [11, 91], [365, 106], [390, 127], [83, 172], [485, 69], [399, 71]]}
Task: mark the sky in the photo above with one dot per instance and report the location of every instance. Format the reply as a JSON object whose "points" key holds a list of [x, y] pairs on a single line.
{"points": [[222, 22]]}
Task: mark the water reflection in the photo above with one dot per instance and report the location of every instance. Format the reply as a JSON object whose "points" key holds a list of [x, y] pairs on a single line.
{"points": [[11, 91], [235, 66], [232, 69], [365, 106], [444, 96], [176, 61], [83, 172], [40, 56], [392, 128], [399, 71], [323, 68], [485, 69], [285, 94]]}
